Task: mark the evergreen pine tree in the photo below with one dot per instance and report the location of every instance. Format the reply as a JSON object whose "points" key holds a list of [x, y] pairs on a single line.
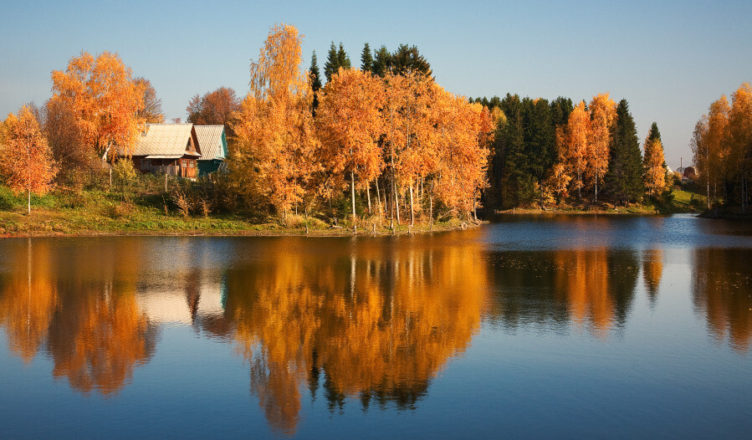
{"points": [[382, 63], [408, 59], [315, 82], [342, 59], [366, 59], [623, 182], [560, 109], [654, 133], [332, 63]]}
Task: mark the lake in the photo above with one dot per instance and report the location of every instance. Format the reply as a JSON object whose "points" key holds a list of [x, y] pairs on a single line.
{"points": [[607, 327]]}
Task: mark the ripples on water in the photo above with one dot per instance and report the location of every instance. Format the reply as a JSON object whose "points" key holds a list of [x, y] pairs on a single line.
{"points": [[573, 326]]}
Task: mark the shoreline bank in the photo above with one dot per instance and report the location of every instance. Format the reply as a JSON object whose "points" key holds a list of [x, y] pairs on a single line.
{"points": [[209, 228]]}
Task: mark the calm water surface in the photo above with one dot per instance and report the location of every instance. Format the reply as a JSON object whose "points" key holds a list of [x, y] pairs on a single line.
{"points": [[529, 327]]}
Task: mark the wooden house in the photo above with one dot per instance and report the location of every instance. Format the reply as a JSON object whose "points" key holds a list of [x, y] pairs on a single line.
{"points": [[173, 149], [213, 143]]}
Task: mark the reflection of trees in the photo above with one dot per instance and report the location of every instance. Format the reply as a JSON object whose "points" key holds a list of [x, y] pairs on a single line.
{"points": [[84, 310], [370, 319], [652, 270], [722, 289], [592, 287], [27, 299]]}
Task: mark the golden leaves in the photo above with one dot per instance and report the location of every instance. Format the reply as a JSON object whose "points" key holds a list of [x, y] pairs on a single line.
{"points": [[105, 99], [26, 162]]}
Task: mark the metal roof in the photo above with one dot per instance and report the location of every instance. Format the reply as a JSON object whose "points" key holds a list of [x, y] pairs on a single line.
{"points": [[164, 140], [210, 139]]}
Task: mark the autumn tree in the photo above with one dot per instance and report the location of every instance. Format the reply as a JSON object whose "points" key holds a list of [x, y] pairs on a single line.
{"points": [[152, 106], [275, 134], [722, 146], [349, 126], [75, 159], [105, 99], [602, 115], [26, 163], [740, 141], [624, 178], [214, 108], [465, 132], [407, 131], [654, 164], [576, 144], [710, 148]]}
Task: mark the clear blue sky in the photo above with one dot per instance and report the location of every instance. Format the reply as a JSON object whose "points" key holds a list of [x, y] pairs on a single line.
{"points": [[670, 59]]}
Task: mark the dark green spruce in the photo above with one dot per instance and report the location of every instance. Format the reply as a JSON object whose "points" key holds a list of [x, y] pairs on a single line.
{"points": [[366, 59], [624, 180], [315, 82], [336, 58]]}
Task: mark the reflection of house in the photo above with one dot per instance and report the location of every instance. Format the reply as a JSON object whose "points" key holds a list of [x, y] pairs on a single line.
{"points": [[213, 144], [172, 304], [168, 148]]}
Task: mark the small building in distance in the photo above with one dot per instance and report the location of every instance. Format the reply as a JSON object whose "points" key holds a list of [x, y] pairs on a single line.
{"points": [[687, 173], [213, 143], [172, 149]]}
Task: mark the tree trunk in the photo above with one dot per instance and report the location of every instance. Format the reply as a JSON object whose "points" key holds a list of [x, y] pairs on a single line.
{"points": [[396, 205], [596, 188], [352, 191], [165, 178], [368, 196], [475, 211], [430, 209], [412, 213], [378, 196], [707, 190], [28, 206]]}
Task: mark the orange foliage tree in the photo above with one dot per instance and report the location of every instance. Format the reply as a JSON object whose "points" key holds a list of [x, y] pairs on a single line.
{"points": [[349, 125], [26, 161], [602, 116], [465, 132], [274, 158], [105, 98], [655, 171], [575, 144]]}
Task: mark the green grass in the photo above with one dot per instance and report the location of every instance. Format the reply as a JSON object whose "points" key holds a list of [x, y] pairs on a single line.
{"points": [[94, 212], [685, 201]]}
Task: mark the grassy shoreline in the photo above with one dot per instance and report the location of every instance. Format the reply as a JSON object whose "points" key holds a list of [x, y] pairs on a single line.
{"points": [[98, 213], [69, 223], [680, 202]]}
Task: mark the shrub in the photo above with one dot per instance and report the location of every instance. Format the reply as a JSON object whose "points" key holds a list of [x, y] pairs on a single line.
{"points": [[182, 203], [8, 200], [119, 210]]}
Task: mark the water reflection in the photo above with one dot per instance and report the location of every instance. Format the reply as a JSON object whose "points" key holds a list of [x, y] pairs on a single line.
{"points": [[722, 291], [590, 288], [376, 324], [368, 321], [86, 320], [652, 271]]}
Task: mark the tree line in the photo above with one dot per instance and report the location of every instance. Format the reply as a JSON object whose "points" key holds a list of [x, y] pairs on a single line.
{"points": [[557, 153], [722, 147]]}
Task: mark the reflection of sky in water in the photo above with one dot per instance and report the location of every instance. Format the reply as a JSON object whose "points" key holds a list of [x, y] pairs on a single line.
{"points": [[628, 326], [560, 232]]}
